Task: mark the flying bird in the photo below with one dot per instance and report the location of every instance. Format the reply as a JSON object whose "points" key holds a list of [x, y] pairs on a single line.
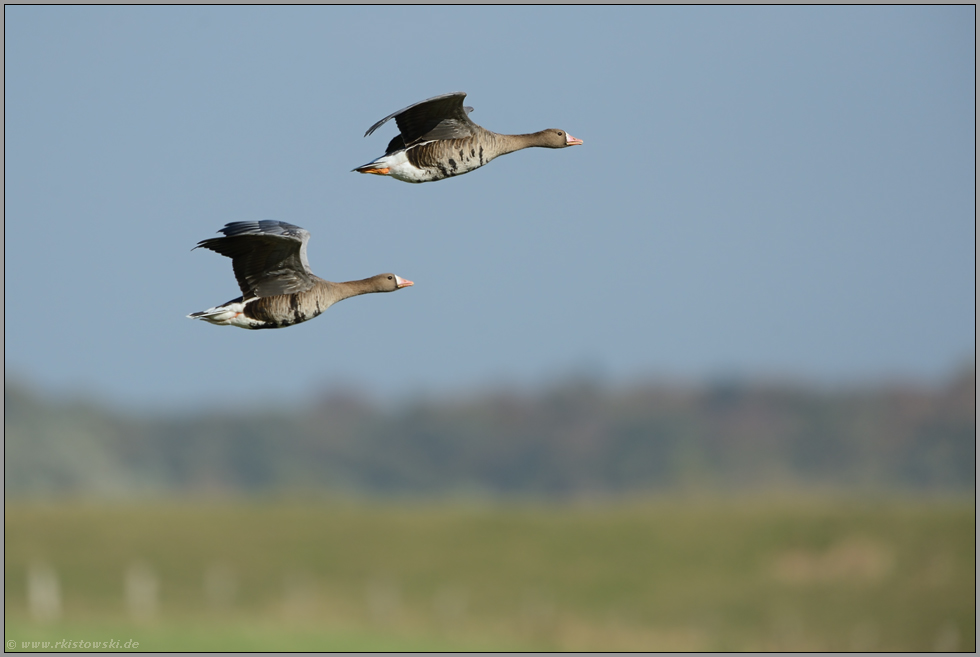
{"points": [[438, 140], [278, 288]]}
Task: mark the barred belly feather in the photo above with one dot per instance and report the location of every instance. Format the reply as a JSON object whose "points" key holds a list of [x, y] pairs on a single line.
{"points": [[282, 311]]}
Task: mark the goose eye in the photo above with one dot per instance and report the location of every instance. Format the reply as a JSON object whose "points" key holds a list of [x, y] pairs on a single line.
{"points": [[389, 278]]}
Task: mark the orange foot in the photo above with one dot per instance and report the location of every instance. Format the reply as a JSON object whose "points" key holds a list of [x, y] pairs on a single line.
{"points": [[380, 172]]}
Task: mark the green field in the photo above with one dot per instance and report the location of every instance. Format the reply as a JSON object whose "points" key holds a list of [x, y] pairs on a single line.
{"points": [[777, 573]]}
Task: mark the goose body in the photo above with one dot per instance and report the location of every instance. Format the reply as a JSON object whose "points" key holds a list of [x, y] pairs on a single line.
{"points": [[278, 288], [438, 140]]}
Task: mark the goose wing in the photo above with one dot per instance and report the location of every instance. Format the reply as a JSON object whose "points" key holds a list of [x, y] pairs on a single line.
{"points": [[269, 257], [441, 117]]}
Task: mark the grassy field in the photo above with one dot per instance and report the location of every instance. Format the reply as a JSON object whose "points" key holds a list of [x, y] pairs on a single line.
{"points": [[781, 573]]}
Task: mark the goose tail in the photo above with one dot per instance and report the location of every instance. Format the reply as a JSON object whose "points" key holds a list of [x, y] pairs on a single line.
{"points": [[228, 314], [377, 167]]}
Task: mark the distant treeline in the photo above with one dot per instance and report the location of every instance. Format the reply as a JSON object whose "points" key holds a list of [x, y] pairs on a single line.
{"points": [[580, 438]]}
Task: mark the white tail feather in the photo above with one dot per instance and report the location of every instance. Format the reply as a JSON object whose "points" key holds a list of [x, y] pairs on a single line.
{"points": [[230, 314]]}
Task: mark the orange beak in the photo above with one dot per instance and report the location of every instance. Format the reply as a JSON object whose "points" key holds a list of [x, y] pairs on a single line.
{"points": [[402, 282], [572, 141]]}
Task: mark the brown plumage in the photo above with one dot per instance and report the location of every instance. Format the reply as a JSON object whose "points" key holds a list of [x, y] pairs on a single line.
{"points": [[278, 288], [438, 140]]}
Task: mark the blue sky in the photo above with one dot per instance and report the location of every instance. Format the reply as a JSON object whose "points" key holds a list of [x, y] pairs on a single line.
{"points": [[762, 191]]}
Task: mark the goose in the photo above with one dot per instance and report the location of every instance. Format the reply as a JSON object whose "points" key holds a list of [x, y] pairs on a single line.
{"points": [[278, 288], [438, 140]]}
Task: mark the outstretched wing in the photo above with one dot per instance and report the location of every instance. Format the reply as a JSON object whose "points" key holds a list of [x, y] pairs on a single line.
{"points": [[442, 117], [269, 257]]}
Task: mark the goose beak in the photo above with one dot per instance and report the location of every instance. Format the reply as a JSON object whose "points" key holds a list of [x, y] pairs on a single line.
{"points": [[402, 282], [572, 141]]}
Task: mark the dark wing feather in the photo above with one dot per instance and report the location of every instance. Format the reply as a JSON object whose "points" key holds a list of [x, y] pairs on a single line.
{"points": [[441, 117], [397, 143], [269, 257]]}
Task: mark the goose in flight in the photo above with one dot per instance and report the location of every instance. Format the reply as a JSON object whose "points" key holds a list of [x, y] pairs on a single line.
{"points": [[278, 288], [437, 140]]}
